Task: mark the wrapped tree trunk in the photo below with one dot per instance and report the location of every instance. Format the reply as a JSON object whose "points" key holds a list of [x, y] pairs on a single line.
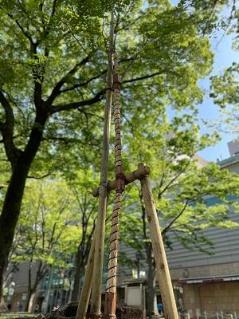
{"points": [[111, 289], [94, 270]]}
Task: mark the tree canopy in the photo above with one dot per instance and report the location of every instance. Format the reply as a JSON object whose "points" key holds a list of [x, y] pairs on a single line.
{"points": [[53, 66]]}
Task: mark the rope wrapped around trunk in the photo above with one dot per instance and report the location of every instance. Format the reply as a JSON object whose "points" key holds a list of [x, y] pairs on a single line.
{"points": [[114, 235]]}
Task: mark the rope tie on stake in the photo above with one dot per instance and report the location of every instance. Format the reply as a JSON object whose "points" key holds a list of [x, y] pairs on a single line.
{"points": [[120, 186]]}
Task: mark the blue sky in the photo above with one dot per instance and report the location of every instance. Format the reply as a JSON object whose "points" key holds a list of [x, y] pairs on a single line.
{"points": [[224, 56]]}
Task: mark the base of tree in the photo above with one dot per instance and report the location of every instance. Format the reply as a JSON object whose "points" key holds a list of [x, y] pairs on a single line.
{"points": [[3, 306]]}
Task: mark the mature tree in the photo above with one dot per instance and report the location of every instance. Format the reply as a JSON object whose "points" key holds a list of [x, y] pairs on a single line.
{"points": [[225, 94], [47, 233], [84, 183], [224, 85], [53, 64], [183, 189], [48, 55]]}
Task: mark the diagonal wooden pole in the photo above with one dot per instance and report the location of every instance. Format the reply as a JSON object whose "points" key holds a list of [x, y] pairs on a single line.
{"points": [[162, 270], [86, 289], [100, 227]]}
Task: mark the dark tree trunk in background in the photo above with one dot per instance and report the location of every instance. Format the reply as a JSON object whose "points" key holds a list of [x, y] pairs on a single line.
{"points": [[79, 271], [150, 281], [83, 250], [33, 283], [13, 199], [10, 212], [150, 291]]}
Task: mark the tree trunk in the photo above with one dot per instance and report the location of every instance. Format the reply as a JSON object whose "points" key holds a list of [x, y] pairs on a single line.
{"points": [[29, 288], [10, 214], [13, 199], [150, 281], [31, 301], [150, 291], [79, 269], [3, 306], [32, 288]]}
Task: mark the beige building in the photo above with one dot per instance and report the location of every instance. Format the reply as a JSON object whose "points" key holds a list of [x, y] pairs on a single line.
{"points": [[210, 283]]}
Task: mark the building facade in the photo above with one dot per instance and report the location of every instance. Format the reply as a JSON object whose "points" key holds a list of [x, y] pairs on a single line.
{"points": [[210, 283]]}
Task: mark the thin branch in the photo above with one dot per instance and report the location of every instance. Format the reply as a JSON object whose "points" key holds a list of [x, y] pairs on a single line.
{"points": [[53, 11], [7, 108], [144, 77], [68, 140], [40, 177], [82, 84], [126, 27], [77, 105], [57, 89], [166, 229], [24, 32], [170, 183], [143, 217]]}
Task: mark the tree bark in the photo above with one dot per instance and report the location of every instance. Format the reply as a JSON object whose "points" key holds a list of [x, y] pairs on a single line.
{"points": [[31, 302], [29, 290], [150, 291], [79, 270], [150, 281], [13, 199]]}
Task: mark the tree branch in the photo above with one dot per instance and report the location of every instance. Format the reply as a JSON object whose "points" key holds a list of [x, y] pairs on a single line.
{"points": [[144, 77], [77, 105], [68, 140], [40, 177], [24, 32], [7, 130], [166, 229], [82, 84], [170, 183], [38, 75], [57, 89], [53, 11]]}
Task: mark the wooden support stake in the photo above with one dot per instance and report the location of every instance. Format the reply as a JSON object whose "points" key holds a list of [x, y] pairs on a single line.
{"points": [[86, 289], [139, 173], [164, 279], [100, 227]]}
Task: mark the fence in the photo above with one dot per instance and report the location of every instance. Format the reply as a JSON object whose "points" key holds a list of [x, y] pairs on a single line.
{"points": [[210, 315], [131, 313]]}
